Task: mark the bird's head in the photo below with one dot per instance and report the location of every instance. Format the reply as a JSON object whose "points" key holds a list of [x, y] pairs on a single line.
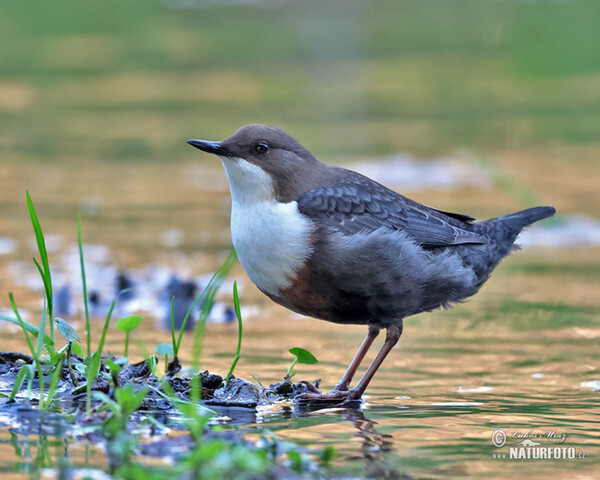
{"points": [[264, 159]]}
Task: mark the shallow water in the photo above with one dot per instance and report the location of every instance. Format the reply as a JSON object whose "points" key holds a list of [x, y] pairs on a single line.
{"points": [[455, 106], [521, 356]]}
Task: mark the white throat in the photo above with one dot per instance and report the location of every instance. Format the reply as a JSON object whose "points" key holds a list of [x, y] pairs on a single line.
{"points": [[271, 239]]}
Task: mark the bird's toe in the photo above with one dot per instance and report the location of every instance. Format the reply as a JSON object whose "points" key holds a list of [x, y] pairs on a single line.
{"points": [[335, 397]]}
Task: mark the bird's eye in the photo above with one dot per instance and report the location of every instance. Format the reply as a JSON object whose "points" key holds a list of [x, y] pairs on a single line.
{"points": [[261, 148]]}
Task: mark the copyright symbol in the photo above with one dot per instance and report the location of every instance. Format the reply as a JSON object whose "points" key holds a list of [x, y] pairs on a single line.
{"points": [[498, 438]]}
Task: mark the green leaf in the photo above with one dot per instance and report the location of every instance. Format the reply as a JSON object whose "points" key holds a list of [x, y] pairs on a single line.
{"points": [[25, 371], [92, 366], [127, 324], [164, 349], [77, 349], [114, 367], [303, 356], [66, 330], [327, 455], [129, 399], [108, 402], [295, 460]]}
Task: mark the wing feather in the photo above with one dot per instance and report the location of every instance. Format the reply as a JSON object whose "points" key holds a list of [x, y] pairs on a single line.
{"points": [[352, 210]]}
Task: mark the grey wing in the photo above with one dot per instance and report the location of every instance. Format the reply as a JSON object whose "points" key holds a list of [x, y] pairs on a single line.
{"points": [[351, 210]]}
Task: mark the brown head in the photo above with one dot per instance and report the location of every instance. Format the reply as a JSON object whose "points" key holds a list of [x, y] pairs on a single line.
{"points": [[292, 168]]}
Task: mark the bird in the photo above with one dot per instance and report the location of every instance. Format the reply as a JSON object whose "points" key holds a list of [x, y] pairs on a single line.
{"points": [[330, 243]]}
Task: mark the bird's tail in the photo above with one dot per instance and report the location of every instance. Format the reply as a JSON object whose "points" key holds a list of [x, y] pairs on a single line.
{"points": [[520, 220], [507, 227], [501, 233]]}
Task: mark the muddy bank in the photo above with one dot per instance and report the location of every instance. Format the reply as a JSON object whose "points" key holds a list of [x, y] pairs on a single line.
{"points": [[167, 423]]}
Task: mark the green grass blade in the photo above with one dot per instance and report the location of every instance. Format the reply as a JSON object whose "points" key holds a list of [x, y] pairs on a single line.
{"points": [[36, 359], [25, 370], [45, 271], [54, 381], [190, 310], [91, 372], [31, 328], [238, 313], [217, 279], [173, 340], [106, 323], [211, 291], [88, 329], [40, 340], [21, 323], [47, 287]]}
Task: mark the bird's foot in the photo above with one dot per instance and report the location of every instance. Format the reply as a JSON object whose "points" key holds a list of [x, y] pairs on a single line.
{"points": [[334, 397]]}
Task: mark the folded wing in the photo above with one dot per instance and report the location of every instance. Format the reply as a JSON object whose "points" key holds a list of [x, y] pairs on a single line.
{"points": [[356, 204]]}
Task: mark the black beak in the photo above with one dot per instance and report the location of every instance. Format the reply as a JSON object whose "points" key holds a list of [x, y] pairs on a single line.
{"points": [[210, 147]]}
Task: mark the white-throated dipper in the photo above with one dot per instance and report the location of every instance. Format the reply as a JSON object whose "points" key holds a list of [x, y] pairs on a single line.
{"points": [[333, 244]]}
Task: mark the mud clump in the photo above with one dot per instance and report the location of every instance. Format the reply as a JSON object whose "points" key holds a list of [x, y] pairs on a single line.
{"points": [[214, 389]]}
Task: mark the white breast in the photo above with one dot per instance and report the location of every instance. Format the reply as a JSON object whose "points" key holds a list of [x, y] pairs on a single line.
{"points": [[271, 239]]}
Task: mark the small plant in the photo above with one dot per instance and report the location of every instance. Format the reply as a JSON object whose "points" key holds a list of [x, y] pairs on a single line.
{"points": [[128, 324], [165, 350], [121, 443], [70, 335], [302, 356], [58, 364], [92, 368], [174, 367], [208, 294], [126, 401], [114, 368]]}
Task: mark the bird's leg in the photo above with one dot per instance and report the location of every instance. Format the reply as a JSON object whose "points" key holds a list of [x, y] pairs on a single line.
{"points": [[391, 338], [344, 382]]}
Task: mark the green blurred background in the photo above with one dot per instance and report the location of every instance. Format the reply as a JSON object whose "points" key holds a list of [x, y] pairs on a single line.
{"points": [[131, 80]]}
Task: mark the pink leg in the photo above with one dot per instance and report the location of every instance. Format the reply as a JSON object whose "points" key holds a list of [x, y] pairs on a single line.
{"points": [[337, 394], [391, 339], [344, 382]]}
